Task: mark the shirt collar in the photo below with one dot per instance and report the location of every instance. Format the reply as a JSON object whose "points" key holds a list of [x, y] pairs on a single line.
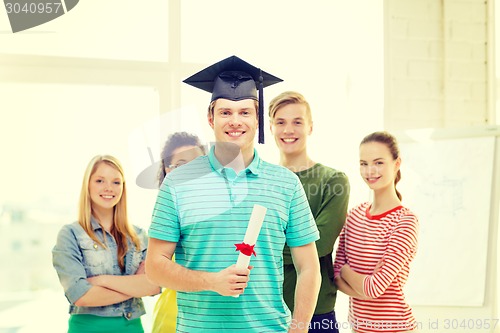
{"points": [[94, 223], [253, 167]]}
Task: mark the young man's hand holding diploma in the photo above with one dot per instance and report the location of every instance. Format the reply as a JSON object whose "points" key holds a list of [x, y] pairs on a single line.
{"points": [[231, 281]]}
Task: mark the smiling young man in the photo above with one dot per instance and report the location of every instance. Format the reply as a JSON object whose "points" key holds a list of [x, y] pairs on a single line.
{"points": [[234, 124], [327, 191], [202, 212]]}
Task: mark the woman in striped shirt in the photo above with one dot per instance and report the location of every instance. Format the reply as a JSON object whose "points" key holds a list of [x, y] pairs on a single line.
{"points": [[377, 244]]}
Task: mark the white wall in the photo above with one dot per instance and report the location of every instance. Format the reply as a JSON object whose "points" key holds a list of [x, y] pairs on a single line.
{"points": [[436, 63], [440, 73]]}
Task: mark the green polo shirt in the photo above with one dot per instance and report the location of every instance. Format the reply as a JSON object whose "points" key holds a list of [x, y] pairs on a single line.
{"points": [[327, 192]]}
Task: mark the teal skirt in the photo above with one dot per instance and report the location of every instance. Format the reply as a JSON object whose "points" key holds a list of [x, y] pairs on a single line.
{"points": [[85, 323]]}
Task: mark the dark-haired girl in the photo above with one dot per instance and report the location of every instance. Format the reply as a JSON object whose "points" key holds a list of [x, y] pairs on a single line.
{"points": [[377, 244]]}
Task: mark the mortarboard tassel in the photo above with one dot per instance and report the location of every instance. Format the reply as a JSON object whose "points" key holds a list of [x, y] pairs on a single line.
{"points": [[261, 108]]}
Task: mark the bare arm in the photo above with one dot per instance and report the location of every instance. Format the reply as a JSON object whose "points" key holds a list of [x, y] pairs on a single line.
{"points": [[161, 270], [99, 296], [136, 285], [305, 259]]}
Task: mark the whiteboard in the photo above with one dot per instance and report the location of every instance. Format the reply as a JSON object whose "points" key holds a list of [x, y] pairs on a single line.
{"points": [[448, 184]]}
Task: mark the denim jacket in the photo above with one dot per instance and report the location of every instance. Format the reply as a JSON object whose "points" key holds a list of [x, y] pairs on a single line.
{"points": [[76, 257]]}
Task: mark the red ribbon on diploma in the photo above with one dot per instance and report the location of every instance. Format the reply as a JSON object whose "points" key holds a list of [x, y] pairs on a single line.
{"points": [[245, 249]]}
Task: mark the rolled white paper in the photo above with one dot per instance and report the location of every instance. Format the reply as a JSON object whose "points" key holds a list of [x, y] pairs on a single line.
{"points": [[253, 230]]}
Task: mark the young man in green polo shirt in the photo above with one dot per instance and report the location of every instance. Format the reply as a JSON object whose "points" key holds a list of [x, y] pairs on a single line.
{"points": [[202, 212], [327, 191]]}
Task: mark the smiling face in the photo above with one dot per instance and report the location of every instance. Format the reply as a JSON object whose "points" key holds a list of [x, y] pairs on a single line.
{"points": [[235, 122], [377, 166], [291, 127], [105, 187]]}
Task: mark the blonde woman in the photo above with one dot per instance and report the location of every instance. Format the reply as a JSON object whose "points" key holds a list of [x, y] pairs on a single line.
{"points": [[100, 258]]}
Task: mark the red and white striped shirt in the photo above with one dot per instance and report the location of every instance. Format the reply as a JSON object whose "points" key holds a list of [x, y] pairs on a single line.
{"points": [[365, 241]]}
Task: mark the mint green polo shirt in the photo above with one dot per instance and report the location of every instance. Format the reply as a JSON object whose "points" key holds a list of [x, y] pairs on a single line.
{"points": [[205, 209]]}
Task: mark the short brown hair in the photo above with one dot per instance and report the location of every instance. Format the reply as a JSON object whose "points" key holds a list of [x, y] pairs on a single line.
{"points": [[212, 106]]}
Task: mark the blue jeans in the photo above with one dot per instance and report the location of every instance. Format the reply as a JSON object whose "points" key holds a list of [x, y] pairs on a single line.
{"points": [[324, 323]]}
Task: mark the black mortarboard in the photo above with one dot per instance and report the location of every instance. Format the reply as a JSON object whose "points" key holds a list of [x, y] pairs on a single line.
{"points": [[235, 79]]}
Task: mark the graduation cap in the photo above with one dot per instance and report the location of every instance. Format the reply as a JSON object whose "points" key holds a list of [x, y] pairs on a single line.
{"points": [[235, 79]]}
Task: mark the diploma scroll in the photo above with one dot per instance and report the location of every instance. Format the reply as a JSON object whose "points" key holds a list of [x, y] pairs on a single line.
{"points": [[247, 247]]}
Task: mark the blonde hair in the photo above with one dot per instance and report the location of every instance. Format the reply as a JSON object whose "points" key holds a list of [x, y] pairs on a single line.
{"points": [[121, 230], [286, 98]]}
